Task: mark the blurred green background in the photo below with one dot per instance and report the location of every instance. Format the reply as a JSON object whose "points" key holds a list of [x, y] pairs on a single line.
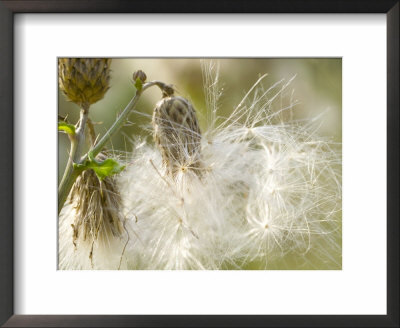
{"points": [[317, 88]]}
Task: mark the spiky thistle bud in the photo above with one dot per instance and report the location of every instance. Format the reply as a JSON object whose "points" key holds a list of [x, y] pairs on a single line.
{"points": [[177, 134], [84, 81]]}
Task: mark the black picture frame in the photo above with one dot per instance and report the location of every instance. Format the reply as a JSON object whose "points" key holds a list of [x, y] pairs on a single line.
{"points": [[7, 130]]}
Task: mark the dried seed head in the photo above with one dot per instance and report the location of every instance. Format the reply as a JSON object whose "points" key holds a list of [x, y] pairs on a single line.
{"points": [[177, 134], [84, 80], [139, 75], [98, 206]]}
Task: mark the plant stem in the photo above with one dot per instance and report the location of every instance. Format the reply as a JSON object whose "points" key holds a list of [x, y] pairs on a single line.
{"points": [[77, 141], [121, 120], [92, 132], [70, 174]]}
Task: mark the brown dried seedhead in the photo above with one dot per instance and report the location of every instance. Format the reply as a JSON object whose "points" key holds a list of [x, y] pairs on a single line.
{"points": [[177, 134], [98, 207]]}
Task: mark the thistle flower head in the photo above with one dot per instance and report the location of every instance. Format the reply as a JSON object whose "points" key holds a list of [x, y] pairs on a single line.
{"points": [[84, 81], [92, 224], [177, 134], [268, 189]]}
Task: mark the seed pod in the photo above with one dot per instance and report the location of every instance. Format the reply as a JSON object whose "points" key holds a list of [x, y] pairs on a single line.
{"points": [[177, 134], [97, 205], [84, 81]]}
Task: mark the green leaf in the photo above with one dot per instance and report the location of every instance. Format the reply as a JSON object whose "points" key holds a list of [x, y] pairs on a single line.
{"points": [[67, 128], [138, 84], [106, 168], [102, 169]]}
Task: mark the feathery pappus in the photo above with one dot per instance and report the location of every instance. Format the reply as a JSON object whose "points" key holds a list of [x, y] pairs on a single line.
{"points": [[269, 191]]}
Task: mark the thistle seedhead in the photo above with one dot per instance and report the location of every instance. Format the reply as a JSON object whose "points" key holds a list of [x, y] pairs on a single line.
{"points": [[271, 197], [97, 205], [177, 134], [92, 227], [84, 81]]}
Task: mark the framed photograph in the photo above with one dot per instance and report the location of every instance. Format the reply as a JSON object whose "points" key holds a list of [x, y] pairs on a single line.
{"points": [[216, 165]]}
